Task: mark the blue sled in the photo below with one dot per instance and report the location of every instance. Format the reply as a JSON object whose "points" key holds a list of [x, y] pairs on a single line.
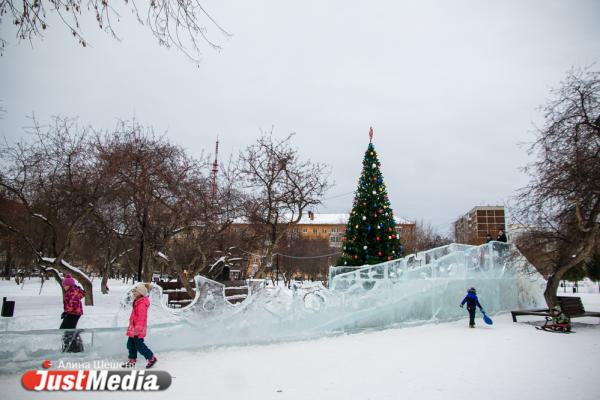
{"points": [[487, 319]]}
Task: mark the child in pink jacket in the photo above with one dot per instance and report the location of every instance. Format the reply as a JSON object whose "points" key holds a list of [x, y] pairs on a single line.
{"points": [[71, 303], [137, 328]]}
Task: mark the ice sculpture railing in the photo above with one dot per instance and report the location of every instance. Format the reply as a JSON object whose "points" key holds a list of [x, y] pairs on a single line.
{"points": [[451, 261]]}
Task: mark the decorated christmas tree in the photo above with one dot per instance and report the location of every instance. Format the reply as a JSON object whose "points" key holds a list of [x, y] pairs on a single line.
{"points": [[370, 235]]}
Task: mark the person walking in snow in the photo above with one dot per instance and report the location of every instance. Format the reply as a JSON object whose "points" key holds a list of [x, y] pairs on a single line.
{"points": [[137, 328], [72, 311], [472, 302], [72, 308]]}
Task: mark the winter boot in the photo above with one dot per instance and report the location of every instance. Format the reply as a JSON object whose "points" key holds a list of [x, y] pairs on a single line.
{"points": [[151, 362], [471, 326], [129, 364]]}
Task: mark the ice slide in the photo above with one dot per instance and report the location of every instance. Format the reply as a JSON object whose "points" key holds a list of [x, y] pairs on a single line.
{"points": [[420, 288]]}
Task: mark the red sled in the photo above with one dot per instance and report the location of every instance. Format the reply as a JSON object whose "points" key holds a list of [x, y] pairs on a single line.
{"points": [[555, 327]]}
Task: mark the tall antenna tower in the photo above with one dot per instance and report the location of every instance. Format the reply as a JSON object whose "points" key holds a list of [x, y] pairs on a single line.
{"points": [[215, 170]]}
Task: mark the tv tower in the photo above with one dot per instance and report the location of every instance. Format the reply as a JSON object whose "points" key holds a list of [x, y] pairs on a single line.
{"points": [[215, 170]]}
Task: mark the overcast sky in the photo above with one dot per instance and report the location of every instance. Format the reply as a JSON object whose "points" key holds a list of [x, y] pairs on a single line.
{"points": [[450, 87]]}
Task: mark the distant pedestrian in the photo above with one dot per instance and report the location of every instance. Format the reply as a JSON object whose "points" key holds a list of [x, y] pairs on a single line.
{"points": [[501, 236], [472, 302], [137, 328], [488, 238]]}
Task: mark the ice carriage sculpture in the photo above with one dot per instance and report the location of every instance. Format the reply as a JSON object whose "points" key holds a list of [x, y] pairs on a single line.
{"points": [[420, 288]]}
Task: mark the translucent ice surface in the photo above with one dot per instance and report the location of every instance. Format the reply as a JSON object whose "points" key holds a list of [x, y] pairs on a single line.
{"points": [[421, 288]]}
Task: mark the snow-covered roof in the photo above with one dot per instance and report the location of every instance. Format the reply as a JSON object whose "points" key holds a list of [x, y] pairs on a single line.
{"points": [[325, 219], [336, 219]]}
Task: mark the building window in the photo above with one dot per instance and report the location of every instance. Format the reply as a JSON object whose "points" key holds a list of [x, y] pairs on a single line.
{"points": [[314, 230], [324, 230], [305, 230]]}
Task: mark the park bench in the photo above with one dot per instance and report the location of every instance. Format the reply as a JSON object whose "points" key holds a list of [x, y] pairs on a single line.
{"points": [[571, 306], [179, 298], [235, 291]]}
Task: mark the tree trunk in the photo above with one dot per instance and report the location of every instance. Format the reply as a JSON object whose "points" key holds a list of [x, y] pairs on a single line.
{"points": [[142, 242], [185, 282], [104, 283], [552, 287], [148, 269]]}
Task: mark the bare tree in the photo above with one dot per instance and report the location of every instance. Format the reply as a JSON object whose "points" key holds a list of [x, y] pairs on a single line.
{"points": [[181, 24], [423, 237], [562, 201], [54, 183], [163, 194], [280, 187]]}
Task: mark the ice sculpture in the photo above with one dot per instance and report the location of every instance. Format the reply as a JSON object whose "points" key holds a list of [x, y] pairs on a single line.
{"points": [[420, 288]]}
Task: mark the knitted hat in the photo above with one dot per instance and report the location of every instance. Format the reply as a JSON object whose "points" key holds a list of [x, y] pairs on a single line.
{"points": [[141, 289], [68, 281]]}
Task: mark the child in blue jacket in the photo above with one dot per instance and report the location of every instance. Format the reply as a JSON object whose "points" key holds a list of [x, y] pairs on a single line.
{"points": [[472, 302]]}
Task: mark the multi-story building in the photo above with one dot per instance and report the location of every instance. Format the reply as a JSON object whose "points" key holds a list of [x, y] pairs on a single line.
{"points": [[474, 226]]}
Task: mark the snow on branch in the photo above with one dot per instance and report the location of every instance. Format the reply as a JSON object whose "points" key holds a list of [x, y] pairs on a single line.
{"points": [[67, 266], [40, 216], [161, 255], [119, 256]]}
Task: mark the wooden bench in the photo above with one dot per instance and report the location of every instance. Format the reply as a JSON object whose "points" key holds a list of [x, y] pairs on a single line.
{"points": [[571, 306], [169, 286], [236, 291], [178, 299]]}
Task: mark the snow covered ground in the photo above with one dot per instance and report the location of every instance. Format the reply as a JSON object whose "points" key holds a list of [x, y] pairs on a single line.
{"points": [[440, 361]]}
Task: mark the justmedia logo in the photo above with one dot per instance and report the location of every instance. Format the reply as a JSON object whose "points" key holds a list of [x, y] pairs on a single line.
{"points": [[95, 380]]}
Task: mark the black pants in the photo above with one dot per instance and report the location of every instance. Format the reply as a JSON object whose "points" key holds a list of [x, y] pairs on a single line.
{"points": [[71, 341], [70, 321], [135, 344], [471, 316]]}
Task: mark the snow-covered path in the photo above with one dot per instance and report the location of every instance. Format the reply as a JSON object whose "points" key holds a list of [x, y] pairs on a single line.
{"points": [[441, 361], [444, 361]]}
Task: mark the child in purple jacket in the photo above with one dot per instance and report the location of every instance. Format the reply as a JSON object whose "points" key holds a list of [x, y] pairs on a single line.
{"points": [[72, 307]]}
